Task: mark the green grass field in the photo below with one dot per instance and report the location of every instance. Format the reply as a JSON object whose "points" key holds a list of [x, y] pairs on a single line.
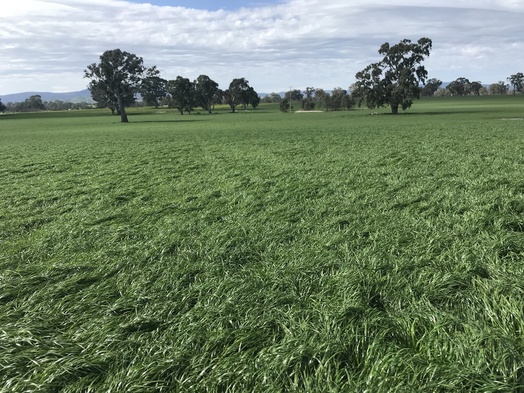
{"points": [[264, 252]]}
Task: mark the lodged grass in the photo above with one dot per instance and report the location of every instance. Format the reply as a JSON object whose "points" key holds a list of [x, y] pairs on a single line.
{"points": [[264, 252]]}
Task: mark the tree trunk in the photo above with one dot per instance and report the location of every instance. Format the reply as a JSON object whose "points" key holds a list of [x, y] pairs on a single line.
{"points": [[394, 109], [122, 110]]}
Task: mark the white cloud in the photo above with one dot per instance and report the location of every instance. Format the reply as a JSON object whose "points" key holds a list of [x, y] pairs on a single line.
{"points": [[47, 44]]}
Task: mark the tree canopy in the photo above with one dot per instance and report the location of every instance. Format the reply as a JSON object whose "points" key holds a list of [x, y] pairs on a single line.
{"points": [[206, 91], [294, 95], [459, 87], [498, 88], [153, 88], [475, 88], [396, 79], [431, 87], [517, 82], [181, 94], [339, 99], [240, 93]]}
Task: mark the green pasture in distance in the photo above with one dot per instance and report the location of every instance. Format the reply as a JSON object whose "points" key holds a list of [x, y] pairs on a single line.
{"points": [[262, 251]]}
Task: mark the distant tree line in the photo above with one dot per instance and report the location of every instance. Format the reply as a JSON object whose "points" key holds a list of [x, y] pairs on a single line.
{"points": [[464, 87], [120, 76], [311, 98], [394, 81], [35, 103]]}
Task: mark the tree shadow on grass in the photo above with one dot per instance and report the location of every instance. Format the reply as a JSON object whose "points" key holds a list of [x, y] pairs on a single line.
{"points": [[451, 112], [163, 121], [425, 113]]}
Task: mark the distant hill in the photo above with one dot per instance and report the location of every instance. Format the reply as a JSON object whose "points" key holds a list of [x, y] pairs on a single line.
{"points": [[73, 96]]}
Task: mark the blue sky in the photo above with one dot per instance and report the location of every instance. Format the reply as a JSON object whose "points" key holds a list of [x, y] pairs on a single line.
{"points": [[45, 45], [210, 4]]}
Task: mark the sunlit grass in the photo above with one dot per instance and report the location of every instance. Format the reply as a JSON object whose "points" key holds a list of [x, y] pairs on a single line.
{"points": [[260, 251]]}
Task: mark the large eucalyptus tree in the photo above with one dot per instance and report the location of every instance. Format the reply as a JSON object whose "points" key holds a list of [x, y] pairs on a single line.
{"points": [[396, 79], [206, 90], [117, 76]]}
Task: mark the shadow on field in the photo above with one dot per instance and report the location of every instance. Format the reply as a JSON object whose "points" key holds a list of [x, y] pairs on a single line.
{"points": [[449, 112], [163, 121]]}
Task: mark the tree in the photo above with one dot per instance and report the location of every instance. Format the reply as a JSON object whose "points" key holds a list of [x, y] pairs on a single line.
{"points": [[475, 88], [218, 97], [205, 91], [340, 99], [431, 87], [459, 87], [231, 100], [153, 88], [181, 94], [239, 93], [253, 98], [34, 103], [323, 98], [498, 88], [307, 103], [396, 79], [284, 105], [294, 95], [517, 82], [2, 106], [116, 77]]}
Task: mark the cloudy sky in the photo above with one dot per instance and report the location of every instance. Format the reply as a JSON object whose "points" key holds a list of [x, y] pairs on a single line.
{"points": [[276, 44]]}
